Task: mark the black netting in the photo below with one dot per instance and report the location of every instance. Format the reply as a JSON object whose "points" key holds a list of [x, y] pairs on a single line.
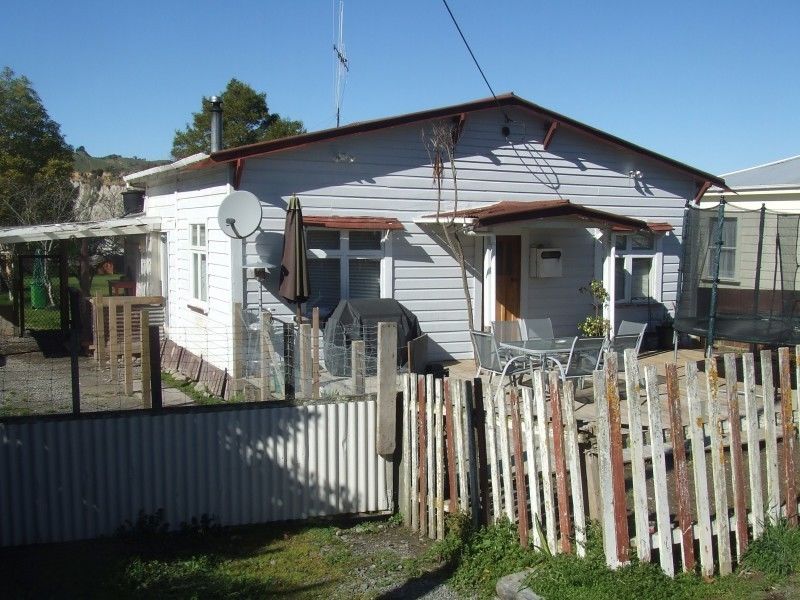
{"points": [[757, 299]]}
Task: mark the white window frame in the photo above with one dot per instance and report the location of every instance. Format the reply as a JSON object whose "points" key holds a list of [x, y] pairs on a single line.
{"points": [[198, 250], [344, 254], [712, 242], [623, 297]]}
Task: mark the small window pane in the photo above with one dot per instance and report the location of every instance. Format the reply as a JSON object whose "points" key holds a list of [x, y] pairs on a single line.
{"points": [[201, 235], [202, 279], [365, 240], [642, 241], [729, 233], [619, 278], [324, 277], [621, 242], [193, 235], [365, 278], [640, 278], [322, 239], [727, 263]]}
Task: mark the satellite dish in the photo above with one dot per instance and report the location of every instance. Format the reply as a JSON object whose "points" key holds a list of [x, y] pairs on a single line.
{"points": [[239, 214]]}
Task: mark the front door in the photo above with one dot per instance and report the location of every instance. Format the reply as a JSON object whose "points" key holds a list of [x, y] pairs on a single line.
{"points": [[507, 280]]}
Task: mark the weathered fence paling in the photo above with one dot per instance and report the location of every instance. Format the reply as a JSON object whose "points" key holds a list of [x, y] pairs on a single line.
{"points": [[529, 451]]}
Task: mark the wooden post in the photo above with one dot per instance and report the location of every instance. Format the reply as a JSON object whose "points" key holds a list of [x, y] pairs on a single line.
{"points": [[413, 422], [574, 463], [267, 353], [429, 455], [718, 474], [522, 496], [472, 455], [533, 473], [423, 456], [387, 389], [784, 362], [357, 366], [770, 438], [99, 328], [406, 502], [663, 524], [617, 464], [545, 460], [305, 359], [491, 454], [753, 449], [438, 447], [564, 523], [636, 445], [737, 457], [482, 458], [451, 449], [606, 486], [237, 368], [155, 368], [505, 456], [681, 471], [144, 335], [127, 341], [113, 350], [315, 353], [702, 499]]}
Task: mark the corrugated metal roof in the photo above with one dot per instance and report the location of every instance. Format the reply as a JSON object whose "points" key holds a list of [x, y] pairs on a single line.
{"points": [[781, 173], [509, 211], [347, 222]]}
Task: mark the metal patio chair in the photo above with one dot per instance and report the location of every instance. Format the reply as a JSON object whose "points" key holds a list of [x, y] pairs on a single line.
{"points": [[584, 358], [538, 329], [491, 361]]}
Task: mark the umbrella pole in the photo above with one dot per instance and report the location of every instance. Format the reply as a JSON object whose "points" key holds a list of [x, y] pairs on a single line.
{"points": [[299, 316]]}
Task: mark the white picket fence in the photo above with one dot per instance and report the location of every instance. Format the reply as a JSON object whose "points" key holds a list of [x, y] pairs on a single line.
{"points": [[523, 454]]}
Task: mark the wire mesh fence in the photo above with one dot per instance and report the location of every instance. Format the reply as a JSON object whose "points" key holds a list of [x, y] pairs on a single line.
{"points": [[255, 358]]}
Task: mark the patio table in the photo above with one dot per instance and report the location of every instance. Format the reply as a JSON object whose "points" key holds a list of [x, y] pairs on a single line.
{"points": [[538, 348]]}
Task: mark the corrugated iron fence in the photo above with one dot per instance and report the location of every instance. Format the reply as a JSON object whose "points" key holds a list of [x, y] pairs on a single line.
{"points": [[76, 477], [521, 453]]}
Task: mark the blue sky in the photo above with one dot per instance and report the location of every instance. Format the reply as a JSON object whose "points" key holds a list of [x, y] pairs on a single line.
{"points": [[713, 84]]}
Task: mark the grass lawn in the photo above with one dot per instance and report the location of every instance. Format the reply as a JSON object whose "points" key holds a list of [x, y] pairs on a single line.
{"points": [[248, 562], [50, 317]]}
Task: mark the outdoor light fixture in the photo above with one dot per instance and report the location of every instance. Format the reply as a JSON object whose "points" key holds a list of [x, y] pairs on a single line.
{"points": [[635, 174]]}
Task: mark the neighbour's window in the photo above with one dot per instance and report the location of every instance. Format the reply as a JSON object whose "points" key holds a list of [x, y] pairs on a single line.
{"points": [[635, 267], [727, 255], [197, 257], [343, 264]]}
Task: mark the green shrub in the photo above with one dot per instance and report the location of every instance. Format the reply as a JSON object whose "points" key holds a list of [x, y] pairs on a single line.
{"points": [[776, 553]]}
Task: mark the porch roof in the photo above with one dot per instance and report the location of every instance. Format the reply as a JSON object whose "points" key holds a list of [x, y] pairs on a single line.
{"points": [[509, 211], [130, 225], [351, 222]]}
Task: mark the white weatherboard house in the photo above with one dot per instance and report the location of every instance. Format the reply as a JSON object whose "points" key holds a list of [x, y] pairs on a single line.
{"points": [[545, 204]]}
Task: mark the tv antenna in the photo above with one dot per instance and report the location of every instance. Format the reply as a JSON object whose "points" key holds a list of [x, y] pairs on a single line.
{"points": [[340, 64]]}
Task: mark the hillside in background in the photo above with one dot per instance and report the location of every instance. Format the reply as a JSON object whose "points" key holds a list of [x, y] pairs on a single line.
{"points": [[113, 165], [100, 184]]}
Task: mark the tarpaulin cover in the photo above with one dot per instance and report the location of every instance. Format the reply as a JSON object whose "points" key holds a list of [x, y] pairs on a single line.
{"points": [[358, 320]]}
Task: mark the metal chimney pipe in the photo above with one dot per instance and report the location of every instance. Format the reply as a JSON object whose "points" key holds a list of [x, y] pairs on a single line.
{"points": [[216, 124]]}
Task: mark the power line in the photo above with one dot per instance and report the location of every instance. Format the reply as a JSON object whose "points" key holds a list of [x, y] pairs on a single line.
{"points": [[475, 60]]}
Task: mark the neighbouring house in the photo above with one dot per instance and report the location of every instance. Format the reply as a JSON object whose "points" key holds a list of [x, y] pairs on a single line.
{"points": [[756, 297]]}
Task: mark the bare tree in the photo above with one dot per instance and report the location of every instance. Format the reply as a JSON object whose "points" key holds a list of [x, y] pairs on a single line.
{"points": [[440, 143]]}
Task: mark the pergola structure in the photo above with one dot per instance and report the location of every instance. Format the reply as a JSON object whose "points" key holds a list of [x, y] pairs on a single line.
{"points": [[132, 225]]}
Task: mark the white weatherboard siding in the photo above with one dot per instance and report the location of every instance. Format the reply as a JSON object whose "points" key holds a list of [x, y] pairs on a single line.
{"points": [[390, 176], [194, 197]]}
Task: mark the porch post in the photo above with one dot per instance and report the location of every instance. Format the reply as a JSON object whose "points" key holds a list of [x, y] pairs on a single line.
{"points": [[489, 280], [609, 279]]}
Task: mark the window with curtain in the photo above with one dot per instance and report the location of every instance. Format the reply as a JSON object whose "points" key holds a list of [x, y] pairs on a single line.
{"points": [[198, 258], [635, 268], [344, 264]]}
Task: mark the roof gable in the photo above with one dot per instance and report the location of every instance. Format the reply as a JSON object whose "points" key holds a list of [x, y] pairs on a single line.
{"points": [[498, 103]]}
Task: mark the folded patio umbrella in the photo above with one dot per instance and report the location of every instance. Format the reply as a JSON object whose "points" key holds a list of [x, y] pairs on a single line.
{"points": [[294, 284]]}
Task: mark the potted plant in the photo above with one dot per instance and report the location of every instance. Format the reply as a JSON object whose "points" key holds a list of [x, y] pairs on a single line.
{"points": [[594, 325]]}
